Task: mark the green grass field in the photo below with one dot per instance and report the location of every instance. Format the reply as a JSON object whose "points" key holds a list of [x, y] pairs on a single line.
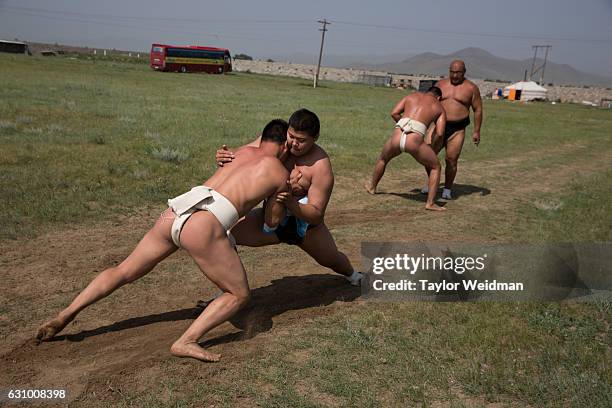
{"points": [[90, 141]]}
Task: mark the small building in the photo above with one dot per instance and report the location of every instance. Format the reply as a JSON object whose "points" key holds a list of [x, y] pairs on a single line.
{"points": [[15, 47], [425, 84], [400, 83], [606, 103], [375, 80], [525, 91]]}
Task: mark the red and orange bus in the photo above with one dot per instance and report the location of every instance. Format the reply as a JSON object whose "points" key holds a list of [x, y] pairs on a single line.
{"points": [[190, 59]]}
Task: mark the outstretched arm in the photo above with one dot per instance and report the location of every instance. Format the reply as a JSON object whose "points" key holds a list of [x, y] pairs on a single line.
{"points": [[477, 107]]}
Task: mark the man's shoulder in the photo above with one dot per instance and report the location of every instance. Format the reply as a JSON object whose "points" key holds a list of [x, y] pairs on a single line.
{"points": [[315, 155], [322, 164], [443, 82], [322, 160], [412, 97], [470, 84], [320, 151], [246, 150], [316, 162]]}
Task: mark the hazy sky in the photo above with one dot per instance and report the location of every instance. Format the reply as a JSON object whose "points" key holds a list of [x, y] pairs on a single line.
{"points": [[579, 31]]}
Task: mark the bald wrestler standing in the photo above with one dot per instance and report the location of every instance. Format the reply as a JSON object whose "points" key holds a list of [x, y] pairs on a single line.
{"points": [[458, 96]]}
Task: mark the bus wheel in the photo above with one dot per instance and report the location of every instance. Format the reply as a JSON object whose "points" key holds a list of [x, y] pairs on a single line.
{"points": [[183, 69]]}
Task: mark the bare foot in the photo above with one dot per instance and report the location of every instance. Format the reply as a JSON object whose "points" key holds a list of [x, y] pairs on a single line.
{"points": [[434, 207], [369, 188], [48, 330], [193, 350]]}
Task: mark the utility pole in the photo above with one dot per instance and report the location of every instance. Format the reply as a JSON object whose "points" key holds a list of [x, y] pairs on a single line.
{"points": [[534, 70], [544, 65], [323, 30]]}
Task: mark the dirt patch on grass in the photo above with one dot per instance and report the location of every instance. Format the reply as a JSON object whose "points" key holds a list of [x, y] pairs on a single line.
{"points": [[119, 344]]}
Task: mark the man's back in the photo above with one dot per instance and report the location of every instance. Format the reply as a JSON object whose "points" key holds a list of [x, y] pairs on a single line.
{"points": [[422, 107], [249, 178]]}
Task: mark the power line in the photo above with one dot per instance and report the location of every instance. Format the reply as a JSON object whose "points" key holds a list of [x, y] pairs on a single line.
{"points": [[162, 29], [217, 36], [141, 18], [476, 34], [120, 25], [166, 25]]}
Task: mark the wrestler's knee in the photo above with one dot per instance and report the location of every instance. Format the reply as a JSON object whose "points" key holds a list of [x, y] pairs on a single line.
{"points": [[451, 161], [384, 158], [434, 165], [242, 296]]}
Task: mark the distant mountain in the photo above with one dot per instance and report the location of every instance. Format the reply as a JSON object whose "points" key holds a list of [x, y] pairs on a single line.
{"points": [[483, 65]]}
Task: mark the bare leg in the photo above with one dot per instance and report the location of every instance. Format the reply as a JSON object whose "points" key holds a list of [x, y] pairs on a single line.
{"points": [[152, 249], [320, 245], [249, 231], [424, 154], [206, 241], [390, 150], [436, 143], [453, 150]]}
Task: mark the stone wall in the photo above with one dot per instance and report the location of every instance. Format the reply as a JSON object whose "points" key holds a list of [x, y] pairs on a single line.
{"points": [[300, 70], [555, 93]]}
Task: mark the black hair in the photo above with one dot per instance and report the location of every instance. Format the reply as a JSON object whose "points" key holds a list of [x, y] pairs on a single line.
{"points": [[303, 120], [436, 91], [275, 131]]}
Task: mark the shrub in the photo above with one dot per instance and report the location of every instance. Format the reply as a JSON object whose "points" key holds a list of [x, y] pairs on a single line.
{"points": [[170, 155]]}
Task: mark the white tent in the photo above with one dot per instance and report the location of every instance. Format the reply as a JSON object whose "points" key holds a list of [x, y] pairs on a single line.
{"points": [[529, 90]]}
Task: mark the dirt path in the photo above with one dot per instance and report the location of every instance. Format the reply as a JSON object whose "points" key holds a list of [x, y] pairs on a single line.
{"points": [[122, 342]]}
